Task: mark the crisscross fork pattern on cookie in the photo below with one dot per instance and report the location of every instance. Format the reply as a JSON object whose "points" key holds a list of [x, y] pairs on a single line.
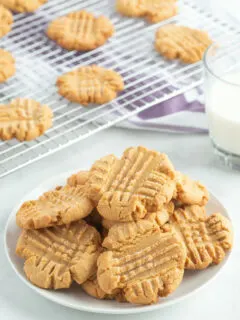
{"points": [[129, 188], [206, 238], [56, 256], [91, 84], [174, 41], [24, 119], [56, 207], [80, 31], [141, 260]]}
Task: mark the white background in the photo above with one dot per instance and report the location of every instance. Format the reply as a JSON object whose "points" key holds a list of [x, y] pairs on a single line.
{"points": [[191, 154]]}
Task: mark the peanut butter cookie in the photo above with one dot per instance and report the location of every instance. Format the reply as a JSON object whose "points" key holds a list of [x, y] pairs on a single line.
{"points": [[127, 189], [23, 5], [91, 84], [7, 65], [6, 21], [57, 256], [179, 42], [206, 238], [153, 10], [24, 119], [142, 261], [57, 207], [80, 31]]}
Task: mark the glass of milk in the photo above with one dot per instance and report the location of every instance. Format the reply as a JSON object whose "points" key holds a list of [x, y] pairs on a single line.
{"points": [[222, 97]]}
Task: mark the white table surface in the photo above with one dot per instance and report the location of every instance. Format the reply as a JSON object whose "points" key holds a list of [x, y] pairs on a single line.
{"points": [[191, 154]]}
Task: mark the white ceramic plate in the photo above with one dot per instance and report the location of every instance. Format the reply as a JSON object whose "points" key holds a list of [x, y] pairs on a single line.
{"points": [[75, 298]]}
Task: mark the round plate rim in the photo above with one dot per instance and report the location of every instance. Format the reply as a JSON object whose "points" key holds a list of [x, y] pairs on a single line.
{"points": [[138, 309]]}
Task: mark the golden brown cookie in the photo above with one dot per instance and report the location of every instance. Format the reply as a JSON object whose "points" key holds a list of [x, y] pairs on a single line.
{"points": [[23, 5], [91, 84], [127, 189], [92, 288], [154, 10], [190, 191], [57, 207], [161, 217], [179, 42], [24, 119], [6, 20], [79, 178], [57, 256], [7, 65], [142, 261], [206, 238], [80, 31]]}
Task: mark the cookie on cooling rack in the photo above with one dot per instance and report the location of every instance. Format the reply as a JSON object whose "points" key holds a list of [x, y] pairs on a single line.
{"points": [[7, 65], [6, 20], [153, 10], [23, 5], [80, 31], [57, 256], [24, 119], [179, 42], [91, 84]]}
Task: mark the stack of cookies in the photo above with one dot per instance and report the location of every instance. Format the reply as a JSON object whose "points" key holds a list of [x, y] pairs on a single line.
{"points": [[127, 230]]}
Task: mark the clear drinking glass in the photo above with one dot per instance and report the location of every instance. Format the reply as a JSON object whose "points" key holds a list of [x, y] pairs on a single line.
{"points": [[222, 98]]}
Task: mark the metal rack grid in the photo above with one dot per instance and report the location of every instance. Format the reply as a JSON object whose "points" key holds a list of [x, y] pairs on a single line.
{"points": [[149, 79]]}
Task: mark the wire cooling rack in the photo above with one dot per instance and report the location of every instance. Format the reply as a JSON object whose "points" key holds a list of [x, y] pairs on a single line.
{"points": [[149, 78]]}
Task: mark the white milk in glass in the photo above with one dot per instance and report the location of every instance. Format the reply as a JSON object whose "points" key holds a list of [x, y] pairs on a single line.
{"points": [[223, 108]]}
